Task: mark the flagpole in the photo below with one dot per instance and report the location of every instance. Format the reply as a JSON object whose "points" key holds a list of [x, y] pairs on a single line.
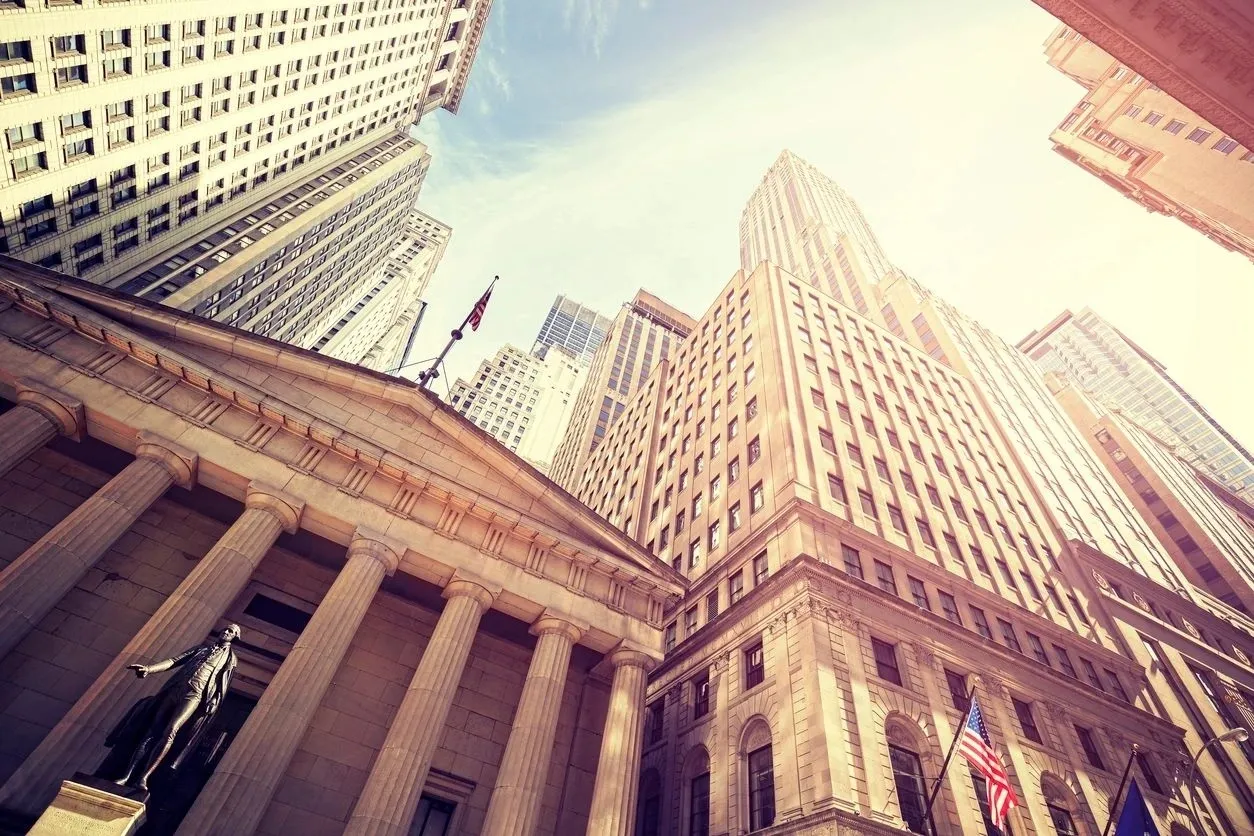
{"points": [[432, 373], [1123, 783], [953, 747]]}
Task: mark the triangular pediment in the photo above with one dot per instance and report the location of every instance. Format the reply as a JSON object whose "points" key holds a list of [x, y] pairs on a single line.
{"points": [[384, 422]]}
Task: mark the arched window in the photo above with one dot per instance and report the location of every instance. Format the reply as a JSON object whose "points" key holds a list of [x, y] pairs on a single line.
{"points": [[1064, 809], [912, 788], [695, 786], [649, 809], [760, 773]]}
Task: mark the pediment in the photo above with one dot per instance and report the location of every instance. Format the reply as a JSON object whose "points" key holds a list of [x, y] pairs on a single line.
{"points": [[383, 423]]}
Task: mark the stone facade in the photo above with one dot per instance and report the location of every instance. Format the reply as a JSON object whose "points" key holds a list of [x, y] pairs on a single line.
{"points": [[196, 475]]}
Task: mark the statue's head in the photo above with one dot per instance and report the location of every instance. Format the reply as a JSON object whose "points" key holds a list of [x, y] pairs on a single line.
{"points": [[230, 633]]}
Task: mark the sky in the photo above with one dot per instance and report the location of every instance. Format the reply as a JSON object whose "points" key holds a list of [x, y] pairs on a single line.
{"points": [[608, 145]]}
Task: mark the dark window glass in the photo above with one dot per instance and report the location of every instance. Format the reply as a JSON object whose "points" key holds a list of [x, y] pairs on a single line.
{"points": [[434, 817], [1147, 771], [853, 561], [981, 794], [1061, 819], [701, 695], [699, 805], [911, 789], [957, 690], [949, 605], [884, 577], [981, 622], [919, 593], [886, 661], [1027, 721], [654, 722], [755, 666], [1089, 745], [761, 789]]}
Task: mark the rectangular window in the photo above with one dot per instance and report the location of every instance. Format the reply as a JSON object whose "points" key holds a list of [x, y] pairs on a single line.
{"points": [[868, 504], [1027, 723], [919, 593], [958, 693], [711, 605], [760, 569], [735, 587], [1064, 661], [981, 622], [654, 720], [1038, 649], [1116, 687], [1174, 126], [1198, 135], [853, 561], [1091, 673], [670, 636], [699, 805], [895, 516], [761, 789], [757, 498], [886, 661], [755, 449], [755, 665], [836, 487], [1008, 635], [884, 577], [1089, 744], [701, 695], [733, 518], [949, 606]]}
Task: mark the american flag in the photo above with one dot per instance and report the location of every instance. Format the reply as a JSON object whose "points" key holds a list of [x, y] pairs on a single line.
{"points": [[476, 313], [976, 748]]}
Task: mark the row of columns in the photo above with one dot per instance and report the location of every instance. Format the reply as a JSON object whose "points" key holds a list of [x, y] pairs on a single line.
{"points": [[240, 789]]}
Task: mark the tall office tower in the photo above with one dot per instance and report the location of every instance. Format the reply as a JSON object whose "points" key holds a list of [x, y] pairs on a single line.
{"points": [[645, 332], [1207, 537], [379, 327], [1153, 149], [1091, 353], [524, 401], [573, 326], [292, 268], [800, 219], [135, 127], [859, 542]]}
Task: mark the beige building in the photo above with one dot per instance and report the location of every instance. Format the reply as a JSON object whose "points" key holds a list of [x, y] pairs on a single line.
{"points": [[861, 543], [113, 112], [646, 331], [1139, 140], [378, 330], [525, 401], [436, 639]]}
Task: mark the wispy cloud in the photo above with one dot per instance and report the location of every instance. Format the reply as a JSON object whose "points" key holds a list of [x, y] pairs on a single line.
{"points": [[592, 20]]}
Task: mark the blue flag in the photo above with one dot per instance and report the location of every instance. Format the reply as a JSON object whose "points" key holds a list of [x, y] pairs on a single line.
{"points": [[1135, 820]]}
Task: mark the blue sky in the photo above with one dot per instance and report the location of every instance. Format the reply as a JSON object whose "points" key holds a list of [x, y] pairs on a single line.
{"points": [[607, 145]]}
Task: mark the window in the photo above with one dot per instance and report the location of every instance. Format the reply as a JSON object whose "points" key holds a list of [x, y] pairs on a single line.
{"points": [[701, 695], [715, 535], [1174, 126], [884, 577], [1116, 687], [761, 789], [981, 622], [755, 665], [1198, 135], [868, 504], [23, 134], [827, 442], [1008, 635], [757, 498], [733, 517], [72, 75], [699, 805], [1061, 819], [1064, 661], [836, 487], [898, 521], [911, 789], [853, 561], [733, 470], [1026, 721], [671, 636], [14, 51], [760, 569], [949, 606], [751, 408], [1038, 649], [755, 449], [886, 661], [691, 621], [981, 793], [1091, 673], [711, 605], [735, 587], [919, 593], [1226, 145], [17, 84], [1151, 778], [1089, 744], [434, 817], [958, 692], [654, 722]]}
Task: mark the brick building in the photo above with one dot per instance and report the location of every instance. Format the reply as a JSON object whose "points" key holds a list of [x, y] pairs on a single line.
{"points": [[164, 475]]}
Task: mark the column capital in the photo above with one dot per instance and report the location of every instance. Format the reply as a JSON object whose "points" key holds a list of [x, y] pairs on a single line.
{"points": [[465, 586], [180, 461], [552, 622], [58, 407], [284, 506], [624, 656], [371, 543]]}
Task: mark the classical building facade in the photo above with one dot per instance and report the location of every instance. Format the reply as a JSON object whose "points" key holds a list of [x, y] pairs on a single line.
{"points": [[863, 549], [1133, 136], [436, 638], [645, 332], [1095, 356], [1201, 52]]}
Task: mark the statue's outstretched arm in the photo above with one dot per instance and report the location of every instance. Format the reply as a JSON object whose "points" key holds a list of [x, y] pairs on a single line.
{"points": [[164, 665]]}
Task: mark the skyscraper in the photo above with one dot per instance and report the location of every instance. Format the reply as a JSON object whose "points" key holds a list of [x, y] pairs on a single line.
{"points": [[135, 138], [523, 400], [645, 332], [573, 326], [1099, 359], [799, 218], [1151, 148]]}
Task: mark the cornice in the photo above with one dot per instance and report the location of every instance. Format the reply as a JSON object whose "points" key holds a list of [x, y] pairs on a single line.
{"points": [[63, 316]]}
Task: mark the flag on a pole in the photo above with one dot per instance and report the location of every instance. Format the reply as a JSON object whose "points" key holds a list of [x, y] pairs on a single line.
{"points": [[978, 749], [476, 313], [1135, 820]]}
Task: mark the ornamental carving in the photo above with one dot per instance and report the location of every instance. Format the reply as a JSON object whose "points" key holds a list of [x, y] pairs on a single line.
{"points": [[1140, 601], [1240, 654], [1101, 581], [1190, 629]]}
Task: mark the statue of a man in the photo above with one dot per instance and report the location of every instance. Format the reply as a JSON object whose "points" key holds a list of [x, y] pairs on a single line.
{"points": [[147, 735]]}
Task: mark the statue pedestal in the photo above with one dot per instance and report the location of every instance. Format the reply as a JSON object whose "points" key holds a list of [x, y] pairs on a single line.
{"points": [[90, 806]]}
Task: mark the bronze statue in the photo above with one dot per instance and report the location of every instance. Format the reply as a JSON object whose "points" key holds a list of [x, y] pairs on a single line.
{"points": [[177, 714]]}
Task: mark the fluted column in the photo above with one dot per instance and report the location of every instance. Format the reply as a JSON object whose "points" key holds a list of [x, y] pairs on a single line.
{"points": [[237, 794], [515, 802], [613, 811], [390, 798], [182, 621], [40, 415], [33, 584]]}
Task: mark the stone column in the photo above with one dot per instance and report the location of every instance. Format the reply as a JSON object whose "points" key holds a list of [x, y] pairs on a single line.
{"points": [[515, 803], [183, 621], [33, 584], [390, 798], [40, 415], [613, 811], [237, 794]]}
